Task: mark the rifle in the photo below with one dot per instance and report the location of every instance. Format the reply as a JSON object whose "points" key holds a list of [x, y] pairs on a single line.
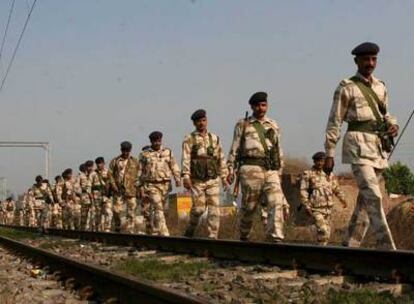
{"points": [[240, 155], [401, 134]]}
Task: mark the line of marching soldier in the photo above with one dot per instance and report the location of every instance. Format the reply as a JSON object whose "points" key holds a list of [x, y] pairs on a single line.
{"points": [[105, 199]]}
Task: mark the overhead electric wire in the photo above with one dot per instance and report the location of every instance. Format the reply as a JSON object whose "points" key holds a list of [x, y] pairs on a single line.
{"points": [[6, 29], [17, 45]]}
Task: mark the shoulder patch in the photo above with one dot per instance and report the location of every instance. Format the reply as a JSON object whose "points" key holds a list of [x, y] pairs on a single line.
{"points": [[345, 82]]}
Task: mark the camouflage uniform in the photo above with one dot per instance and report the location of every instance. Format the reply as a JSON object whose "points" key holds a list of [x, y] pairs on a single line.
{"points": [[155, 178], [56, 220], [72, 207], [30, 212], [87, 218], [42, 199], [260, 183], [205, 191], [316, 191], [10, 208], [124, 174], [364, 152], [102, 203], [2, 213], [19, 213]]}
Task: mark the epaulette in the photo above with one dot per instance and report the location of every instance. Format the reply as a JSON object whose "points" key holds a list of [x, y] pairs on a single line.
{"points": [[345, 82], [145, 148]]}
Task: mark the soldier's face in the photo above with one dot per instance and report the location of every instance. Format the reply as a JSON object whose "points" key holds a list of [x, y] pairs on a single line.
{"points": [[366, 64], [201, 124], [89, 169], [101, 166], [125, 153], [156, 143], [260, 109], [319, 163]]}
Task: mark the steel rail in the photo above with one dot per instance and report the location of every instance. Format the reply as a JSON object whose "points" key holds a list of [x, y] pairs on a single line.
{"points": [[390, 265], [108, 284]]}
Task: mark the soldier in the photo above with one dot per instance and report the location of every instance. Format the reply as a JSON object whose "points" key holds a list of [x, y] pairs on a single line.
{"points": [[124, 173], [10, 208], [256, 153], [56, 216], [2, 213], [85, 182], [30, 209], [42, 198], [157, 164], [20, 212], [317, 189], [362, 101], [72, 207], [101, 187], [203, 166]]}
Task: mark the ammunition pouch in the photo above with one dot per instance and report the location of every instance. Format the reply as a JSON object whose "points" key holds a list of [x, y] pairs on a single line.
{"points": [[204, 168]]}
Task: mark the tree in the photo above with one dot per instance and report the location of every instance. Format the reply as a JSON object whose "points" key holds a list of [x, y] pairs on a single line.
{"points": [[399, 179]]}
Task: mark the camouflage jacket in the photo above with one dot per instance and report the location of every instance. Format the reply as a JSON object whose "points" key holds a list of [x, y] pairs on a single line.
{"points": [[42, 193], [252, 146], [157, 166], [85, 183], [69, 190], [124, 175], [57, 191], [317, 189], [101, 181], [350, 105], [202, 143]]}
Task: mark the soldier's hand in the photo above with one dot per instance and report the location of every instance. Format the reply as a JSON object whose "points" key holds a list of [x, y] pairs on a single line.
{"points": [[308, 211], [393, 130], [178, 183], [187, 184], [329, 164], [230, 178]]}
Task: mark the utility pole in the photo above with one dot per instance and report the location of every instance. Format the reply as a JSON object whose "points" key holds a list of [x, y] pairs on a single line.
{"points": [[31, 144]]}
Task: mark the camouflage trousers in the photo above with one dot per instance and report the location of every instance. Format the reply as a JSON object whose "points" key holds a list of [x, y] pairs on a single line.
{"points": [[369, 210], [9, 217], [72, 215], [103, 212], [56, 216], [87, 213], [153, 208], [261, 186], [19, 217], [41, 213], [124, 213], [322, 219], [205, 195]]}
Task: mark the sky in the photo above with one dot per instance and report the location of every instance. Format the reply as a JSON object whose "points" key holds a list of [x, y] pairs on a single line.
{"points": [[90, 74]]}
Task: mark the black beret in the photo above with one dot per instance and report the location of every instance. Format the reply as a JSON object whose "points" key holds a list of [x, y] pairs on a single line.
{"points": [[258, 97], [99, 160], [198, 114], [67, 172], [89, 163], [155, 135], [126, 145], [82, 167], [39, 178], [366, 48], [57, 177], [319, 155]]}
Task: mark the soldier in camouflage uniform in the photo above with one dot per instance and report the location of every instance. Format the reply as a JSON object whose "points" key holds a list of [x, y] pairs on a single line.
{"points": [[203, 166], [85, 183], [56, 216], [317, 189], [101, 187], [30, 212], [362, 101], [157, 164], [256, 152], [20, 212], [2, 213], [72, 207], [10, 208], [124, 173], [42, 199]]}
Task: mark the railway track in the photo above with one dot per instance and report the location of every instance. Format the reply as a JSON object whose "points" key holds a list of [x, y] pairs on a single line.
{"points": [[391, 266], [105, 285]]}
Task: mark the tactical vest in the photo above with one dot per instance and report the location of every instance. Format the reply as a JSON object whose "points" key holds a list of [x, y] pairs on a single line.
{"points": [[203, 167]]}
